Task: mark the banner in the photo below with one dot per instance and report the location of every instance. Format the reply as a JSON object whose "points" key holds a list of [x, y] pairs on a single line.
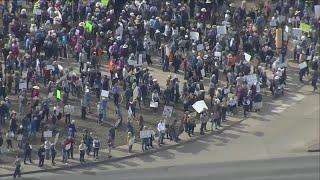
{"points": [[105, 3], [305, 27], [199, 106], [167, 111]]}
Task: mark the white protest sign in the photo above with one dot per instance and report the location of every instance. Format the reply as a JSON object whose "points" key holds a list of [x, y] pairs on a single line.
{"points": [[203, 73], [50, 67], [47, 134], [154, 104], [132, 63], [167, 111], [144, 134], [251, 79], [104, 93], [221, 29], [140, 59], [309, 58], [23, 85], [194, 36], [296, 32], [167, 51], [218, 54], [247, 57], [317, 11], [200, 47], [19, 137], [56, 138], [303, 65], [199, 106], [68, 146]]}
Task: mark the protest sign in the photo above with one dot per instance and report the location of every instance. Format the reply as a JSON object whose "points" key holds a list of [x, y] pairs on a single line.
{"points": [[251, 79], [194, 35], [47, 134], [104, 93], [129, 112], [203, 73], [56, 138], [200, 47], [23, 85], [68, 146], [104, 3], [303, 65], [305, 27], [132, 63], [19, 137], [50, 67], [296, 32], [167, 111], [167, 51], [154, 104], [221, 29], [317, 11], [199, 106], [247, 57], [58, 94], [145, 134], [88, 26]]}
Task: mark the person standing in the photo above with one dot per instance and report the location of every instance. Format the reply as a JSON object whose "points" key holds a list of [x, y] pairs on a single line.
{"points": [[110, 145], [41, 155], [130, 141], [314, 81], [82, 151], [17, 171], [47, 145], [96, 147], [161, 129], [53, 153], [203, 122]]}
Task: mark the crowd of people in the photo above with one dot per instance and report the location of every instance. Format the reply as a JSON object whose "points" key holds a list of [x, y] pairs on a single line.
{"points": [[231, 45]]}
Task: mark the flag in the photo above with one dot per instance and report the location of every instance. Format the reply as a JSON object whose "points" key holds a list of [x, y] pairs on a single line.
{"points": [[105, 3], [305, 27], [58, 94]]}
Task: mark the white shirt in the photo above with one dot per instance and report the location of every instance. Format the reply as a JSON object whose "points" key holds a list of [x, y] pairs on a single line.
{"points": [[161, 127]]}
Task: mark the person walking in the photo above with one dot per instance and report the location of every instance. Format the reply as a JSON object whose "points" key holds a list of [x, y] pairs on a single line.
{"points": [[41, 155], [27, 153], [82, 151], [203, 122], [17, 171], [315, 76], [161, 129], [130, 141], [110, 145]]}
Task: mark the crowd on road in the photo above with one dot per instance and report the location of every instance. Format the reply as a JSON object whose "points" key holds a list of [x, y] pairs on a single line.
{"points": [[217, 44]]}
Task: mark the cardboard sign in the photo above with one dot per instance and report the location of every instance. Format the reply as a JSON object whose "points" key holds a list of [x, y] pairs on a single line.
{"points": [[199, 106], [47, 134], [194, 36], [221, 29], [303, 65], [317, 11], [23, 85], [104, 93], [247, 57], [167, 111], [154, 104], [200, 47]]}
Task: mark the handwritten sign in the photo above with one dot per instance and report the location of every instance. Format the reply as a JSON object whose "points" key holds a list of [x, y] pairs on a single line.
{"points": [[194, 36], [104, 93], [23, 85], [303, 65], [200, 47], [154, 104], [247, 57], [199, 106]]}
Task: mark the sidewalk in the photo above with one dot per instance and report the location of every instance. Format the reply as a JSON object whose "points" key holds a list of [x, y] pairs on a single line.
{"points": [[118, 153]]}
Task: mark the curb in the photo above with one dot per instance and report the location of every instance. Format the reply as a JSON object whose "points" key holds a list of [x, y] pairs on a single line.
{"points": [[163, 148], [313, 150]]}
